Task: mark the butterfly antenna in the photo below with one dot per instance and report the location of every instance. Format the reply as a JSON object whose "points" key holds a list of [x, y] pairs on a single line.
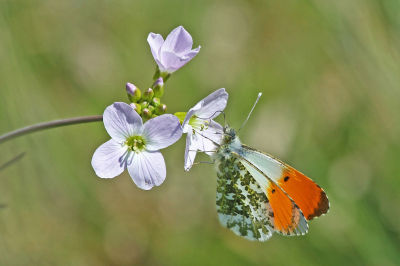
{"points": [[258, 98]]}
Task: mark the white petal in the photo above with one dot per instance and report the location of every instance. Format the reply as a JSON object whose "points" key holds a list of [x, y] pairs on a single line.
{"points": [[216, 127], [110, 159], [178, 42], [162, 68], [192, 53], [155, 41], [172, 62], [161, 131], [147, 169], [207, 140], [122, 121], [213, 104], [190, 150], [185, 124]]}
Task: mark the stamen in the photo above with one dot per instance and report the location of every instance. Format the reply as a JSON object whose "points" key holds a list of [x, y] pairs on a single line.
{"points": [[198, 123], [135, 144]]}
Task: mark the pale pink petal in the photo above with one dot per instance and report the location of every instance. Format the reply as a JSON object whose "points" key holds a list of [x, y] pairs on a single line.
{"points": [[110, 159], [121, 121], [172, 62], [213, 104], [178, 42], [161, 131], [192, 53], [190, 150], [147, 169], [155, 41]]}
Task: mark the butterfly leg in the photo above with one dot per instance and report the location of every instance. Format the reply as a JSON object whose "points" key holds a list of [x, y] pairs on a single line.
{"points": [[213, 162]]}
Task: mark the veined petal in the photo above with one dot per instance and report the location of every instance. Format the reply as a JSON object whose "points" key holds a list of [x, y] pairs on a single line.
{"points": [[190, 150], [161, 132], [155, 41], [208, 138], [213, 104], [193, 53], [171, 61], [216, 127], [178, 42], [110, 159], [147, 169], [122, 121], [161, 66]]}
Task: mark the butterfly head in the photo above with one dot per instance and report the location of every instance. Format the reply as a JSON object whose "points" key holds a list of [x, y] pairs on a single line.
{"points": [[229, 135], [229, 142]]}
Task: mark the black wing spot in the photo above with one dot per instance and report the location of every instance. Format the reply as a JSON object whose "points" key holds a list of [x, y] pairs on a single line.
{"points": [[273, 191], [286, 179]]}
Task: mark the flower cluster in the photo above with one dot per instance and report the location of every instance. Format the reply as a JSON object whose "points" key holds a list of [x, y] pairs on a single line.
{"points": [[148, 104], [135, 145]]}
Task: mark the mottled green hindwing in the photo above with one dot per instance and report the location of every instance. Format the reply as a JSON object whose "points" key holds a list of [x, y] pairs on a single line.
{"points": [[242, 205]]}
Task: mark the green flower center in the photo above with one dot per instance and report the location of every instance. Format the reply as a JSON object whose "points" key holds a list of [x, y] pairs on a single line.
{"points": [[198, 124], [135, 144]]}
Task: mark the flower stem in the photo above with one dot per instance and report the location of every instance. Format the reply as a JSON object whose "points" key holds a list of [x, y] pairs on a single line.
{"points": [[48, 125]]}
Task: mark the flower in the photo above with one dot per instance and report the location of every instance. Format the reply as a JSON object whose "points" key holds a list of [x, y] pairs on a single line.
{"points": [[202, 131], [134, 145], [175, 52]]}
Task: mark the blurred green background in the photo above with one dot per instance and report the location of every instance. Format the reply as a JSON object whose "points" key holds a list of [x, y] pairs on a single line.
{"points": [[329, 72]]}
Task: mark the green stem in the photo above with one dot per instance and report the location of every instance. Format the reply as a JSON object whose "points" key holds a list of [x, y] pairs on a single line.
{"points": [[58, 123]]}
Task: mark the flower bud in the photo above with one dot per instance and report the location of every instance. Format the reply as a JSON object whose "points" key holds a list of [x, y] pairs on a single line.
{"points": [[144, 104], [137, 107], [148, 95], [151, 108], [155, 101], [146, 113], [158, 88], [133, 93], [161, 109]]}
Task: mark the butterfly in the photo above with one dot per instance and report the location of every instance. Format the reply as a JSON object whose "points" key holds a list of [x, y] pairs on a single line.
{"points": [[258, 194]]}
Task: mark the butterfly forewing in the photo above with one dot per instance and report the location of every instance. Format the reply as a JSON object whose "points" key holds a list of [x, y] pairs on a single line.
{"points": [[311, 198], [242, 205]]}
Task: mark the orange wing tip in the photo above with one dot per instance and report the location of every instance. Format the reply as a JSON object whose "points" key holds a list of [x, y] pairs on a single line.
{"points": [[322, 208], [310, 197]]}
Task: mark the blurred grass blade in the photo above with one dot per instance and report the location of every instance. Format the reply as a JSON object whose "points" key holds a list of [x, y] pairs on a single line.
{"points": [[12, 161]]}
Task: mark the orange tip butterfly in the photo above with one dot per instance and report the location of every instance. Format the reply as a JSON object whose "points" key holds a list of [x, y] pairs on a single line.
{"points": [[257, 194]]}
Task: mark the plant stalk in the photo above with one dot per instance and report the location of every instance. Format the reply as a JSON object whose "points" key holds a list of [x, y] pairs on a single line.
{"points": [[47, 125]]}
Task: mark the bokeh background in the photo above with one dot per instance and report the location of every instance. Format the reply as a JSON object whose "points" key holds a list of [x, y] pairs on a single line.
{"points": [[329, 72]]}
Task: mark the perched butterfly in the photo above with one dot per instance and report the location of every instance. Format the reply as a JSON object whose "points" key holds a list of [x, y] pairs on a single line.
{"points": [[258, 194]]}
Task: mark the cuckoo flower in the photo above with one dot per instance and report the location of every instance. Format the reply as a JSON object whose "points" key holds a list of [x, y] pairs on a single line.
{"points": [[174, 52], [134, 145], [202, 131]]}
